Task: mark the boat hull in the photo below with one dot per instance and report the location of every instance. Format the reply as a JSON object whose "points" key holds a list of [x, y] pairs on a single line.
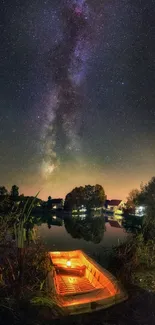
{"points": [[74, 294]]}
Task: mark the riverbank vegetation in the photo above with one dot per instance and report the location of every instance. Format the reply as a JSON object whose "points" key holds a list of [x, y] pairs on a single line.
{"points": [[134, 261], [24, 265]]}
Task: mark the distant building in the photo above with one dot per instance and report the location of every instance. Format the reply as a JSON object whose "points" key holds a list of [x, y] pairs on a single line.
{"points": [[55, 204], [114, 205]]}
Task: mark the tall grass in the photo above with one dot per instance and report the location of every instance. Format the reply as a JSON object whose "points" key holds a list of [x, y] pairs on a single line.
{"points": [[24, 265], [136, 256]]}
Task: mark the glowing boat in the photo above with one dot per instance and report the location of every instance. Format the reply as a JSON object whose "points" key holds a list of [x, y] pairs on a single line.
{"points": [[80, 285]]}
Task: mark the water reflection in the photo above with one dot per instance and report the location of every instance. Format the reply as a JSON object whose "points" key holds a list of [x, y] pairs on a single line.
{"points": [[85, 232], [87, 228], [132, 224], [90, 227], [114, 221], [54, 221]]}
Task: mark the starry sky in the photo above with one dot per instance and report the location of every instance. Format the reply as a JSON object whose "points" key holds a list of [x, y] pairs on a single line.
{"points": [[77, 95]]}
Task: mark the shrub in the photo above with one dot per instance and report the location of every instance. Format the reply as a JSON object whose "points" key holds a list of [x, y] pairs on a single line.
{"points": [[132, 256]]}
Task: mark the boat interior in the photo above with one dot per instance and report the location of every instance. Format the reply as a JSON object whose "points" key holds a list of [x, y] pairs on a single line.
{"points": [[77, 274]]}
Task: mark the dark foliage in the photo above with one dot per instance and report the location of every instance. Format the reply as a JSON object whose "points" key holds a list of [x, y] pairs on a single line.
{"points": [[88, 196], [90, 229]]}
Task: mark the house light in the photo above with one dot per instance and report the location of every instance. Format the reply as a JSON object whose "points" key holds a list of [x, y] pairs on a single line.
{"points": [[141, 208], [68, 263]]}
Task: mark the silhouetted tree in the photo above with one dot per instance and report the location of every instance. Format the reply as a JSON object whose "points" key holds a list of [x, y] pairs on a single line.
{"points": [[147, 198], [132, 199], [3, 191], [14, 191], [89, 196]]}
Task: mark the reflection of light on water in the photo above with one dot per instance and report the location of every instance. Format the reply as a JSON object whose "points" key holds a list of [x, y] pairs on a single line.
{"points": [[81, 216], [63, 240]]}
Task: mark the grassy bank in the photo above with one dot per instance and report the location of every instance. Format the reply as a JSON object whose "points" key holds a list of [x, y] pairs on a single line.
{"points": [[24, 265], [133, 262]]}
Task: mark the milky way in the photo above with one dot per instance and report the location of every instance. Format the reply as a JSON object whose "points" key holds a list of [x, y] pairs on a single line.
{"points": [[67, 62], [77, 100]]}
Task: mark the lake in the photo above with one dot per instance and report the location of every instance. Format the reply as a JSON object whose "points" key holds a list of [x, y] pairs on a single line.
{"points": [[93, 235]]}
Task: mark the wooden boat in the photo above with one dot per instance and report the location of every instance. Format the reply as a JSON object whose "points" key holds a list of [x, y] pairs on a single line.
{"points": [[80, 285]]}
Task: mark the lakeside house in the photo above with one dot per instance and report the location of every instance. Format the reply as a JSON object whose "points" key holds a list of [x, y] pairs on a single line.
{"points": [[115, 206], [55, 204]]}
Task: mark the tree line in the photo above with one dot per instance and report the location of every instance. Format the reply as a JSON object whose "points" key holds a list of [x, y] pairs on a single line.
{"points": [[13, 192]]}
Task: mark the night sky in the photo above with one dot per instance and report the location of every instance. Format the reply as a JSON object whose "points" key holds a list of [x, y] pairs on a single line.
{"points": [[77, 95]]}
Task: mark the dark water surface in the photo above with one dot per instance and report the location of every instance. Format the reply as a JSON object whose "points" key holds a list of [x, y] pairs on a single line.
{"points": [[92, 235]]}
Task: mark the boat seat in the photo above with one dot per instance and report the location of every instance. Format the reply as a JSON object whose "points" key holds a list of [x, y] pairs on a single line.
{"points": [[96, 278]]}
